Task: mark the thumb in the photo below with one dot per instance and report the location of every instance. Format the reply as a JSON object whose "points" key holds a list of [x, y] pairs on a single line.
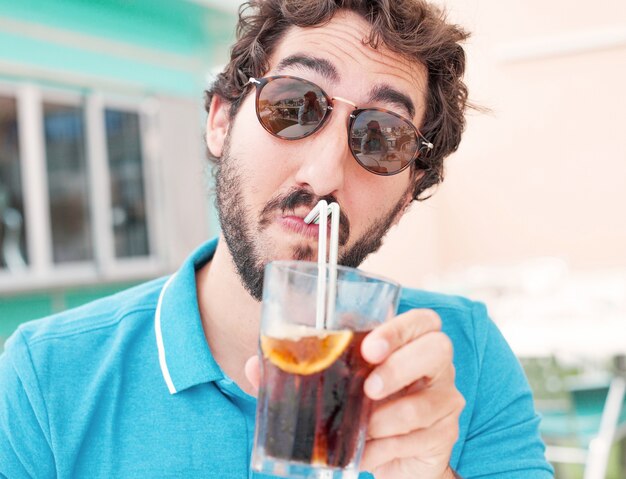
{"points": [[253, 372]]}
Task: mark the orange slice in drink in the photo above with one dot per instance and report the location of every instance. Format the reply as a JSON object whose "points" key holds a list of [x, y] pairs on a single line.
{"points": [[307, 353]]}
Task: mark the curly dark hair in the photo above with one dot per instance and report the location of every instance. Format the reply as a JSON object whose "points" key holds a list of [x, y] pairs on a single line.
{"points": [[415, 29]]}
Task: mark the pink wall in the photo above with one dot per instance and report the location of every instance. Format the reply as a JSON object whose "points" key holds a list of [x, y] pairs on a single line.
{"points": [[543, 174]]}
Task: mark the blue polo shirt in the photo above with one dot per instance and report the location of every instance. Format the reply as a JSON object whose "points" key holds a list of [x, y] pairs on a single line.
{"points": [[127, 387]]}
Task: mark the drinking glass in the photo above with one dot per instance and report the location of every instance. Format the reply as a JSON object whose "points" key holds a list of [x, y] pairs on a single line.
{"points": [[312, 412]]}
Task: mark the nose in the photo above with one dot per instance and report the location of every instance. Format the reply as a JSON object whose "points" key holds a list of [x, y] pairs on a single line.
{"points": [[326, 156]]}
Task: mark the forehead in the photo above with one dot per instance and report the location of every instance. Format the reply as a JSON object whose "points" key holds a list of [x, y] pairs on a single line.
{"points": [[359, 67]]}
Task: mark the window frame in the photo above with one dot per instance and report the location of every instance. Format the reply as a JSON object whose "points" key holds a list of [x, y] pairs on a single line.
{"points": [[41, 272]]}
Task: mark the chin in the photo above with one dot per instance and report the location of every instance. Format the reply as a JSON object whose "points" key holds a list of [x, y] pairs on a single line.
{"points": [[300, 251], [305, 252], [283, 246]]}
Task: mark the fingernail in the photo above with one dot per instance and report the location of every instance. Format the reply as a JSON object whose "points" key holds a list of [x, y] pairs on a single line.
{"points": [[373, 385], [377, 349]]}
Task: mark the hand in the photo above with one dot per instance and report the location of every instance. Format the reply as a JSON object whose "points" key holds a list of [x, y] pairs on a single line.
{"points": [[415, 418]]}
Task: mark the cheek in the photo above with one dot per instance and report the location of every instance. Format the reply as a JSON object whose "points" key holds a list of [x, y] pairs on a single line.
{"points": [[382, 191], [253, 146], [260, 160], [374, 198]]}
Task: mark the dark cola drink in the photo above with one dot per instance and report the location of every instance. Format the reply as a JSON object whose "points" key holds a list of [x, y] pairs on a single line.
{"points": [[313, 399]]}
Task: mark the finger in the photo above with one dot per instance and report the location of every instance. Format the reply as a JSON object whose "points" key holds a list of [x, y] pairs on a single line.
{"points": [[422, 359], [430, 445], [397, 332], [415, 411], [253, 372]]}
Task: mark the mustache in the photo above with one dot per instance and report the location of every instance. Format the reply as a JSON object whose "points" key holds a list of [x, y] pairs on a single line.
{"points": [[303, 197]]}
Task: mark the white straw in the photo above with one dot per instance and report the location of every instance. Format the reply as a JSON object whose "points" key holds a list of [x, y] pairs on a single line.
{"points": [[320, 213], [332, 262]]}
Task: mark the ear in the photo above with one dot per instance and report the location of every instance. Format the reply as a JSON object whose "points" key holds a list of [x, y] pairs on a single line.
{"points": [[217, 125]]}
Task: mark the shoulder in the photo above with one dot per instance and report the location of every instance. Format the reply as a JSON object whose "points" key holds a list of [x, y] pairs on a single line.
{"points": [[460, 316], [77, 327], [74, 350], [56, 371], [478, 344], [419, 298]]}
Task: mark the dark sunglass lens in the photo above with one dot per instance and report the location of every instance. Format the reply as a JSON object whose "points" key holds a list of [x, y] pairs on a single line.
{"points": [[291, 108], [382, 142]]}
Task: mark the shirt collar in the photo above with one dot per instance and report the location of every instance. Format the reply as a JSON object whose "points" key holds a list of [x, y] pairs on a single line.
{"points": [[184, 355]]}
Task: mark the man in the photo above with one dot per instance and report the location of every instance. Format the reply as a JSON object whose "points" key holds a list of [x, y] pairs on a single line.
{"points": [[310, 111], [159, 381], [374, 140]]}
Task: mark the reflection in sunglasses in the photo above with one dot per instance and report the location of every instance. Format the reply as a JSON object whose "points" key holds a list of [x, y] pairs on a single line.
{"points": [[381, 141]]}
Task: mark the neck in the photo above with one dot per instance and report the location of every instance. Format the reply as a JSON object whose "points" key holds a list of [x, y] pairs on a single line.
{"points": [[230, 316]]}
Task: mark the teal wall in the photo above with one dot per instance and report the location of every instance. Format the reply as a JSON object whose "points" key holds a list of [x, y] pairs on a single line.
{"points": [[169, 25], [163, 46]]}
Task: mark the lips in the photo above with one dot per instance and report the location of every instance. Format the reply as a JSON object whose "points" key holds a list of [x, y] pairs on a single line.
{"points": [[297, 225], [292, 221]]}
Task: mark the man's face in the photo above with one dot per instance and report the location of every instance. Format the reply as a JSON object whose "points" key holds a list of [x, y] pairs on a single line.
{"points": [[267, 185]]}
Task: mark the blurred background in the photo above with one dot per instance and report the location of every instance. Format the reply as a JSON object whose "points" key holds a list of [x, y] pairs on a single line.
{"points": [[104, 184]]}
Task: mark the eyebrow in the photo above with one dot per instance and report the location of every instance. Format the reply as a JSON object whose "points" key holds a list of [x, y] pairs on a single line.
{"points": [[382, 93], [387, 94], [319, 65]]}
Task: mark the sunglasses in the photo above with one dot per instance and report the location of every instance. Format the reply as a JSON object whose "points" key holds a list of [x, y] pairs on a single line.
{"points": [[380, 140]]}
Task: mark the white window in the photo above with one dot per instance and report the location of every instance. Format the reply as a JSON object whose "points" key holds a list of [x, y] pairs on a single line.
{"points": [[75, 188]]}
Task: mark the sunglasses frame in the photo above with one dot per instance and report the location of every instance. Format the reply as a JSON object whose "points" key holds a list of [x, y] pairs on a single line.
{"points": [[260, 83]]}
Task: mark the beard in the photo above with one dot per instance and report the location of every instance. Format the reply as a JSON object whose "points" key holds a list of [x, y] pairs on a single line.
{"points": [[242, 234]]}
